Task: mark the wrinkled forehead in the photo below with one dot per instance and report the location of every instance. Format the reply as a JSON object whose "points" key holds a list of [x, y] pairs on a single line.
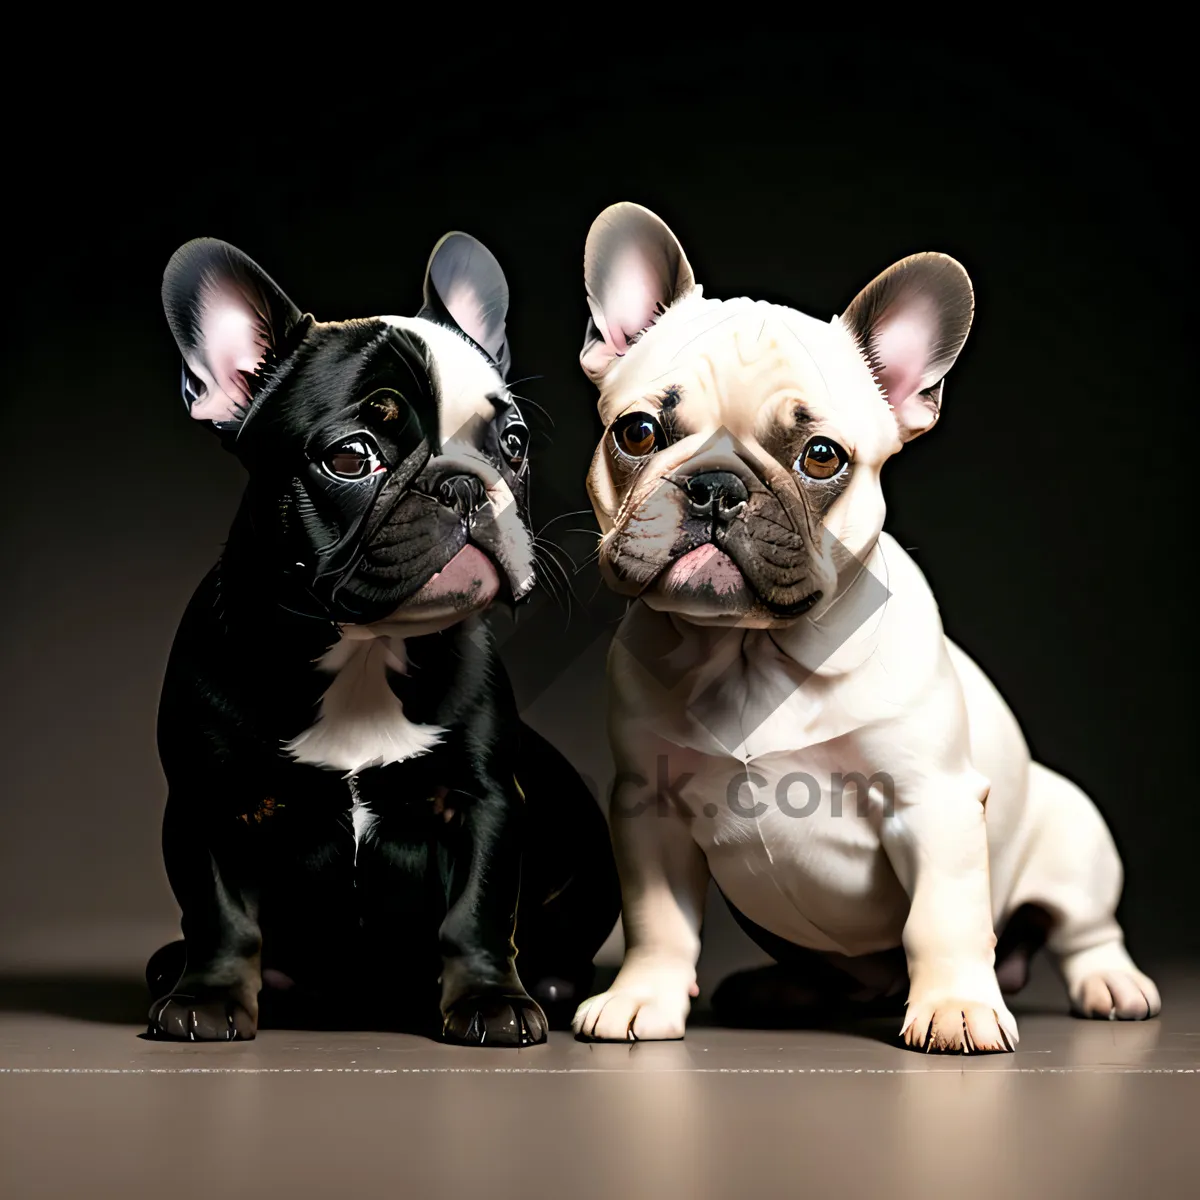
{"points": [[735, 363], [321, 385]]}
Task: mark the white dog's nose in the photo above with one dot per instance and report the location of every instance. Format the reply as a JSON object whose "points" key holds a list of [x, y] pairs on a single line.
{"points": [[718, 494]]}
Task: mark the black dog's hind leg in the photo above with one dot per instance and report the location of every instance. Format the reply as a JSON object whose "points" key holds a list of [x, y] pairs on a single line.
{"points": [[483, 999], [215, 997]]}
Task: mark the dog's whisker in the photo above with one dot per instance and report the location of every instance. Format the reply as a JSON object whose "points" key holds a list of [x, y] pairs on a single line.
{"points": [[558, 585], [549, 563], [562, 517], [547, 578], [523, 379], [554, 549], [548, 560], [538, 408], [587, 562]]}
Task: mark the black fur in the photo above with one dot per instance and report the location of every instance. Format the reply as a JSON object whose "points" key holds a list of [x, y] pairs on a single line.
{"points": [[414, 927]]}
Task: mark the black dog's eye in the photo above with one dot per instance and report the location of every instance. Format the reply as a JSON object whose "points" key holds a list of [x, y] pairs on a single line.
{"points": [[355, 458], [514, 442], [821, 459], [638, 434]]}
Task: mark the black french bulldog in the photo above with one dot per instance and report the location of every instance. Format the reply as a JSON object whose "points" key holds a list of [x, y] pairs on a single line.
{"points": [[354, 803]]}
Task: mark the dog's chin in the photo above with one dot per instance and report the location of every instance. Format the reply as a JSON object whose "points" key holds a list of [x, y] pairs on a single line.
{"points": [[706, 587], [466, 585]]}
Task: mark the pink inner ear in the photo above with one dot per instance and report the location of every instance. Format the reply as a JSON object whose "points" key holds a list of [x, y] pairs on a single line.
{"points": [[231, 344], [631, 300], [462, 303], [904, 347]]}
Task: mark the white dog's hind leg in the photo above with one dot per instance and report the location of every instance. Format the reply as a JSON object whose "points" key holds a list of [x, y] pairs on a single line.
{"points": [[1073, 870]]}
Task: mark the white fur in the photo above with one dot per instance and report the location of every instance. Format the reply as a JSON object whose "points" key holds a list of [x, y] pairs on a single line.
{"points": [[466, 379], [361, 817], [362, 723], [933, 875], [974, 829]]}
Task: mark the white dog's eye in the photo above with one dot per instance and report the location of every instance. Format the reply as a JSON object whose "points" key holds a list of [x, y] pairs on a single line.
{"points": [[354, 458], [821, 459], [638, 434]]}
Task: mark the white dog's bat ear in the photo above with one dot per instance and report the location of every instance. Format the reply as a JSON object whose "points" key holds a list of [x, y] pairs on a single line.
{"points": [[465, 290], [227, 315], [634, 269], [910, 324]]}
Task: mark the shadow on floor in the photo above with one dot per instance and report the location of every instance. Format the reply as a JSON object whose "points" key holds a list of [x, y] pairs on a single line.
{"points": [[124, 1000], [883, 1029], [106, 999], [115, 1000]]}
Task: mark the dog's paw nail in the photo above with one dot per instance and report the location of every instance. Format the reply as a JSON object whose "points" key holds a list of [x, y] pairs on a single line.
{"points": [[963, 1027], [1116, 995], [182, 1018], [494, 1019]]}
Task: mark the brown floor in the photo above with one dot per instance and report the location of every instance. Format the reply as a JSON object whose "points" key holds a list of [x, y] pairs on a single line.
{"points": [[1082, 1109]]}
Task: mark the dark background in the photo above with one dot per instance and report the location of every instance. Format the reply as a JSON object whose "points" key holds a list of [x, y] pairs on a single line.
{"points": [[1049, 509]]}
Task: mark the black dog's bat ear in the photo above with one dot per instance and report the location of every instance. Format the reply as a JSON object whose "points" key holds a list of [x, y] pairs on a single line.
{"points": [[465, 290], [227, 316], [633, 269]]}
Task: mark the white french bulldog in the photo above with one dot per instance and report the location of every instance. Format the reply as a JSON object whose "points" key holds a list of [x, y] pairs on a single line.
{"points": [[785, 648]]}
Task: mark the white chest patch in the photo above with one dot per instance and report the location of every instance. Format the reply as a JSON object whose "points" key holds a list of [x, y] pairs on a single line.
{"points": [[361, 723]]}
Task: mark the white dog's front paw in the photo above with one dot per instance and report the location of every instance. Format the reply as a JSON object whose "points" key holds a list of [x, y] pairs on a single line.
{"points": [[960, 1017], [959, 1027], [643, 1005], [626, 1017]]}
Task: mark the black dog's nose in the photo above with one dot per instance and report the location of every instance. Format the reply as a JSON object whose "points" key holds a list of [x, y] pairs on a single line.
{"points": [[719, 494], [465, 494]]}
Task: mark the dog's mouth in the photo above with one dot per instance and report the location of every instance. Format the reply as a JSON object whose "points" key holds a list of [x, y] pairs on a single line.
{"points": [[706, 581], [429, 565], [468, 582], [705, 569]]}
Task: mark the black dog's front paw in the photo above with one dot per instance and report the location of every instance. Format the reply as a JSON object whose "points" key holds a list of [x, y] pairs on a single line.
{"points": [[495, 1019], [189, 1019]]}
